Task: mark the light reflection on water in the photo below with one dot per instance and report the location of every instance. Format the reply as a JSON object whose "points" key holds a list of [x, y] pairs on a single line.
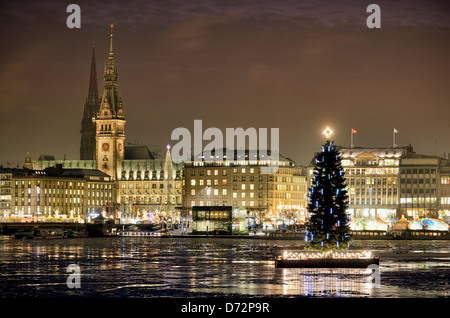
{"points": [[155, 267]]}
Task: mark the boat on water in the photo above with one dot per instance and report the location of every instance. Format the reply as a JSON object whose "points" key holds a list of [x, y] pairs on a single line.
{"points": [[139, 233], [39, 234], [75, 234], [23, 235]]}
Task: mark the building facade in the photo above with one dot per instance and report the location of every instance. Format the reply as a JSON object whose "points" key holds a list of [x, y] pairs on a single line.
{"points": [[444, 190], [151, 188], [255, 198], [6, 191], [58, 193], [419, 188], [372, 176]]}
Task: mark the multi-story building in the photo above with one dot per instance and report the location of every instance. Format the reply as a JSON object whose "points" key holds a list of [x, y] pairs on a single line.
{"points": [[151, 188], [56, 192], [5, 191], [255, 197], [372, 176], [444, 190], [419, 195]]}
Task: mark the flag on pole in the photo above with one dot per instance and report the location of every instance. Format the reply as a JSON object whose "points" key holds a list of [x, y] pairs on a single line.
{"points": [[353, 131], [395, 131]]}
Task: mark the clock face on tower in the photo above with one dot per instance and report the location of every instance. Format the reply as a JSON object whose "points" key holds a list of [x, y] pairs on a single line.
{"points": [[105, 147]]}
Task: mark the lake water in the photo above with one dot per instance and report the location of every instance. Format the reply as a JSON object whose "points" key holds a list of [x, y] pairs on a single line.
{"points": [[135, 267]]}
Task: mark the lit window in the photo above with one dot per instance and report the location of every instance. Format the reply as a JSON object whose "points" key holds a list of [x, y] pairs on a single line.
{"points": [[193, 182]]}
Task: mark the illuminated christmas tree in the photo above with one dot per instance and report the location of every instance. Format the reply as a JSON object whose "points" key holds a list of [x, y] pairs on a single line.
{"points": [[327, 228]]}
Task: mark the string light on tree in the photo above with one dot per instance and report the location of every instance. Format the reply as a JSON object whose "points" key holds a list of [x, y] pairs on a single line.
{"points": [[327, 228]]}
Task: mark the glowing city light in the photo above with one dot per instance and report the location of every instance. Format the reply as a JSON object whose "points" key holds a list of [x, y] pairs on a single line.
{"points": [[330, 254], [328, 132]]}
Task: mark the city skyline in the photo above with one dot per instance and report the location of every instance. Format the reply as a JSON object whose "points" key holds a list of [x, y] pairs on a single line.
{"points": [[290, 65]]}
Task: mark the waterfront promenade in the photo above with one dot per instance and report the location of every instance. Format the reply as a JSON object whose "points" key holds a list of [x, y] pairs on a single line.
{"points": [[116, 229]]}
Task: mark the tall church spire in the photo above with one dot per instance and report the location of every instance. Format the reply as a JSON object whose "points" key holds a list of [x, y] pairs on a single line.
{"points": [[111, 41], [87, 145], [111, 102], [93, 85], [110, 122]]}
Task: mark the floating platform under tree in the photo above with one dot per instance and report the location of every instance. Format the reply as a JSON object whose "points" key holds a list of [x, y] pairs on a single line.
{"points": [[331, 259]]}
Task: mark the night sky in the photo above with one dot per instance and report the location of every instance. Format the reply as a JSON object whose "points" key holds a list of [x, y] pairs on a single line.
{"points": [[294, 65]]}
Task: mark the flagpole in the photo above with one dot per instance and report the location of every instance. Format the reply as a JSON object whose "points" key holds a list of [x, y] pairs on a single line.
{"points": [[351, 139], [393, 139]]}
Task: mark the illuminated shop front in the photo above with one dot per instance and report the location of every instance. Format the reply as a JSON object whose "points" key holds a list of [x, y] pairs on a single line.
{"points": [[212, 219]]}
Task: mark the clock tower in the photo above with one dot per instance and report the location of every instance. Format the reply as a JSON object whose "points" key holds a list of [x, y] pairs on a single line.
{"points": [[110, 122]]}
